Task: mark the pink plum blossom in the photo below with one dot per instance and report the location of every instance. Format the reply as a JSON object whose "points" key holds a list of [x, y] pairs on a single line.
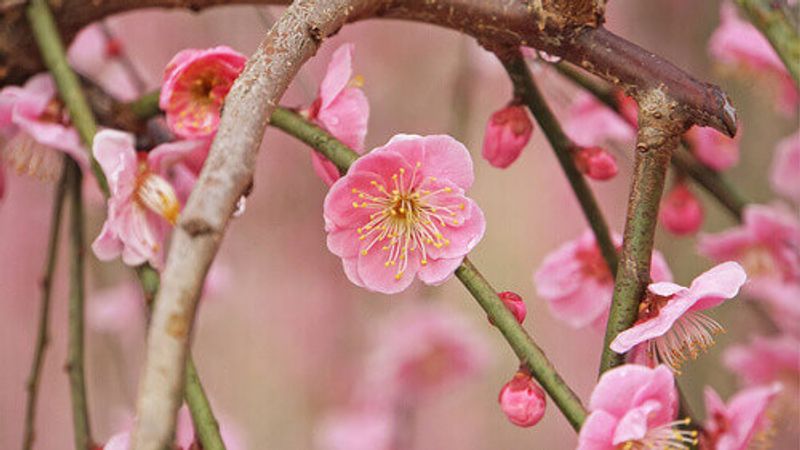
{"points": [[577, 285], [766, 360], [357, 429], [507, 133], [596, 163], [120, 441], [196, 82], [115, 309], [738, 44], [97, 56], [681, 212], [591, 123], [714, 149], [744, 420], [785, 173], [670, 324], [402, 212], [633, 407], [142, 202], [515, 304], [522, 400], [35, 130], [341, 108]]}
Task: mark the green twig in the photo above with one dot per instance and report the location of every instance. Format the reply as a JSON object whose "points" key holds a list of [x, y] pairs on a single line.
{"points": [[205, 424], [773, 19], [43, 334]]}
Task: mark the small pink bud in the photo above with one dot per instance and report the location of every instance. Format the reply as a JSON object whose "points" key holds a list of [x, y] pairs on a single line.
{"points": [[515, 304], [522, 400], [681, 213], [507, 133], [628, 108], [596, 163]]}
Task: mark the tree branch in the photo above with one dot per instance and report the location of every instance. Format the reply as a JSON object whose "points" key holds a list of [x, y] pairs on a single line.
{"points": [[773, 19], [43, 334]]}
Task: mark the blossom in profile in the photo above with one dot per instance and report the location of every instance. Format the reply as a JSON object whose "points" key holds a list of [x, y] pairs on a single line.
{"points": [[671, 326], [681, 212], [766, 360], [743, 421], [785, 173], [714, 149], [341, 108], [195, 84], [577, 285], [402, 212], [35, 131], [596, 163], [522, 400], [590, 123], [508, 131], [634, 407], [142, 203]]}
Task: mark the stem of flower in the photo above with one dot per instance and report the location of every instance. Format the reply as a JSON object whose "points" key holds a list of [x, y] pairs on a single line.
{"points": [[75, 350], [773, 19], [205, 424], [43, 333], [526, 89]]}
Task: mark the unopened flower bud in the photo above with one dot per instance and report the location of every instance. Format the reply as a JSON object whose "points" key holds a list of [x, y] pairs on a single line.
{"points": [[681, 213], [515, 304], [522, 400], [596, 163], [507, 133]]}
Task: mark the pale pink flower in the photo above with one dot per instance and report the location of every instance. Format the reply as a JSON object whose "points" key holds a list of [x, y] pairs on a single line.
{"points": [[357, 429], [591, 123], [35, 130], [141, 201], [195, 85], [714, 149], [522, 400], [785, 173], [577, 285], [738, 44], [96, 56], [116, 309], [401, 211], [744, 420], [508, 131], [596, 163], [341, 108], [515, 304], [670, 325], [766, 360], [681, 212], [120, 441], [634, 406]]}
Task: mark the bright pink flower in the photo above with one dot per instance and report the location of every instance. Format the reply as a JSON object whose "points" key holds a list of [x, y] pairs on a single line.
{"points": [[712, 148], [577, 285], [35, 130], [357, 429], [515, 304], [596, 163], [341, 108], [742, 421], [141, 201], [590, 123], [632, 407], [522, 400], [402, 211], [739, 44], [767, 360], [507, 133], [785, 173], [670, 324], [194, 89], [681, 212]]}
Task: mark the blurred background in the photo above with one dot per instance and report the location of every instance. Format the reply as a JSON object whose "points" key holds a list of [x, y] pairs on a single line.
{"points": [[283, 337]]}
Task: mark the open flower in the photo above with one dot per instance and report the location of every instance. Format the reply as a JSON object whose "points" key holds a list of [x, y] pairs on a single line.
{"points": [[767, 360], [341, 108], [401, 211], [744, 420], [577, 285], [714, 149], [785, 173], [670, 323], [195, 85], [142, 202], [96, 54], [35, 130], [634, 407], [507, 133]]}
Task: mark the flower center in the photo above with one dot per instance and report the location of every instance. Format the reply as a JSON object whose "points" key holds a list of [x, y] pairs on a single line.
{"points": [[670, 436], [156, 194], [408, 218], [593, 265]]}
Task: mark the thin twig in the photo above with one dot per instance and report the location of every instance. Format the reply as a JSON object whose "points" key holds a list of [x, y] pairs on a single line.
{"points": [[43, 334], [206, 425], [75, 350], [774, 20]]}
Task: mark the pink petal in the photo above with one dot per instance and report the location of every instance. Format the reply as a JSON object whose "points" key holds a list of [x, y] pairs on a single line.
{"points": [[655, 327], [344, 242], [324, 169], [115, 152], [437, 271], [785, 172], [616, 388], [165, 155], [665, 289], [383, 164], [633, 425], [597, 431], [716, 285], [338, 75], [346, 118], [107, 245], [338, 204], [379, 278]]}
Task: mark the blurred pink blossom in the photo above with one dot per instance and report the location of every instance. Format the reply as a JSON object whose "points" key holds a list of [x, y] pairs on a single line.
{"points": [[357, 429], [577, 285], [681, 212], [522, 400], [341, 108], [35, 130], [401, 211], [766, 360], [634, 406], [95, 56], [670, 324], [596, 163], [115, 309], [744, 420], [515, 304], [195, 85], [507, 133], [712, 148], [785, 173], [591, 123]]}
